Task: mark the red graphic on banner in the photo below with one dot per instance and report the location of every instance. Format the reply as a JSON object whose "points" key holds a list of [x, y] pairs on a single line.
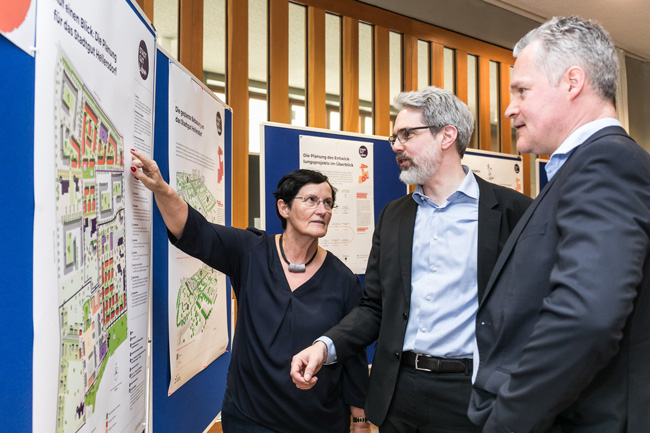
{"points": [[13, 14], [220, 171]]}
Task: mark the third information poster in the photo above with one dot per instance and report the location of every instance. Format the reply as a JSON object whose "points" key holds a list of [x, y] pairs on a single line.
{"points": [[500, 168], [350, 169]]}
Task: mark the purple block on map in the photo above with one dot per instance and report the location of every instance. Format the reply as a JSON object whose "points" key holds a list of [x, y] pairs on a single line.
{"points": [[102, 351], [103, 134]]}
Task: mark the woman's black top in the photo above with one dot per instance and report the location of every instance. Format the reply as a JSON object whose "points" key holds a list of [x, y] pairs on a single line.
{"points": [[274, 323]]}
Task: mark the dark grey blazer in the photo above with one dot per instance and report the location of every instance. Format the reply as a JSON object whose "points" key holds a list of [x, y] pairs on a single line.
{"points": [[384, 309], [564, 327]]}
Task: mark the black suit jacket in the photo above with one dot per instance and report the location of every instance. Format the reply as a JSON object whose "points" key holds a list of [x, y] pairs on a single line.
{"points": [[384, 309], [563, 330]]}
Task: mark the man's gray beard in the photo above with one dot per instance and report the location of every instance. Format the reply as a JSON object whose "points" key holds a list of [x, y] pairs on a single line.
{"points": [[422, 169]]}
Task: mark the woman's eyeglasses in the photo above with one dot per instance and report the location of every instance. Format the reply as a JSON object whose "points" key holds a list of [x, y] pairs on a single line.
{"points": [[313, 202]]}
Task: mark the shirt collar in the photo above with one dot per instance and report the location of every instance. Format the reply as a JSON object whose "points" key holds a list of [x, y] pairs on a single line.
{"points": [[468, 188], [574, 140]]}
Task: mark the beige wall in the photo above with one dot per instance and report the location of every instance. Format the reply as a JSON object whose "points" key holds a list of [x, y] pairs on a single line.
{"points": [[638, 85]]}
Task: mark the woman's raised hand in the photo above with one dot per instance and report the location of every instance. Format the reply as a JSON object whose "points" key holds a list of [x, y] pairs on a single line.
{"points": [[148, 172], [172, 207]]}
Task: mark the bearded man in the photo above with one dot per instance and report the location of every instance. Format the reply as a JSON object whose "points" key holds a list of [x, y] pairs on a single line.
{"points": [[431, 257]]}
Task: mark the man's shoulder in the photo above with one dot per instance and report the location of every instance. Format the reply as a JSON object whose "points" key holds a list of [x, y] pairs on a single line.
{"points": [[614, 132], [612, 139], [610, 146]]}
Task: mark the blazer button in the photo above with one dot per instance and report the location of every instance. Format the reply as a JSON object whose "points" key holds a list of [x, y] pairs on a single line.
{"points": [[397, 354], [405, 316]]}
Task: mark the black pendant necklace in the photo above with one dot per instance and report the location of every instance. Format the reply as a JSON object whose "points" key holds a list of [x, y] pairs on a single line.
{"points": [[296, 267]]}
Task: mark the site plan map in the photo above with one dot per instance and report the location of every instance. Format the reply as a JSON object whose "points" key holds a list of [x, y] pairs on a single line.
{"points": [[94, 99], [196, 295], [90, 245]]}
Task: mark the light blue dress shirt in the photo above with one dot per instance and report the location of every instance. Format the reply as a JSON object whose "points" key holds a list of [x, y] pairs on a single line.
{"points": [[444, 293], [577, 137]]}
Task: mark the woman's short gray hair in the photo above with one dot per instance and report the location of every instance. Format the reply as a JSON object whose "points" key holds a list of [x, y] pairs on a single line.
{"points": [[572, 41], [440, 108]]}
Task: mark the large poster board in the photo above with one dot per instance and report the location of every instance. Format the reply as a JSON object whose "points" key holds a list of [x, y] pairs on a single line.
{"points": [[198, 327], [95, 74], [17, 136], [193, 406]]}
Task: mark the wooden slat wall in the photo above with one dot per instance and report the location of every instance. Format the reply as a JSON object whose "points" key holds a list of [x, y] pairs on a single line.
{"points": [[190, 47], [437, 65], [484, 103], [147, 8], [418, 29], [381, 70], [278, 81], [350, 67], [237, 91], [316, 109], [461, 75], [410, 62], [190, 36], [504, 101]]}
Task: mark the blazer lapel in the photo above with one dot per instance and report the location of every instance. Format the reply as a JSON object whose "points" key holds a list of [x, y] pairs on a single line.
{"points": [[405, 244], [489, 223], [512, 239]]}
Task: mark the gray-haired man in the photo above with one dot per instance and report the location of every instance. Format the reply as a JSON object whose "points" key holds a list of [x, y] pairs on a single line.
{"points": [[564, 327]]}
